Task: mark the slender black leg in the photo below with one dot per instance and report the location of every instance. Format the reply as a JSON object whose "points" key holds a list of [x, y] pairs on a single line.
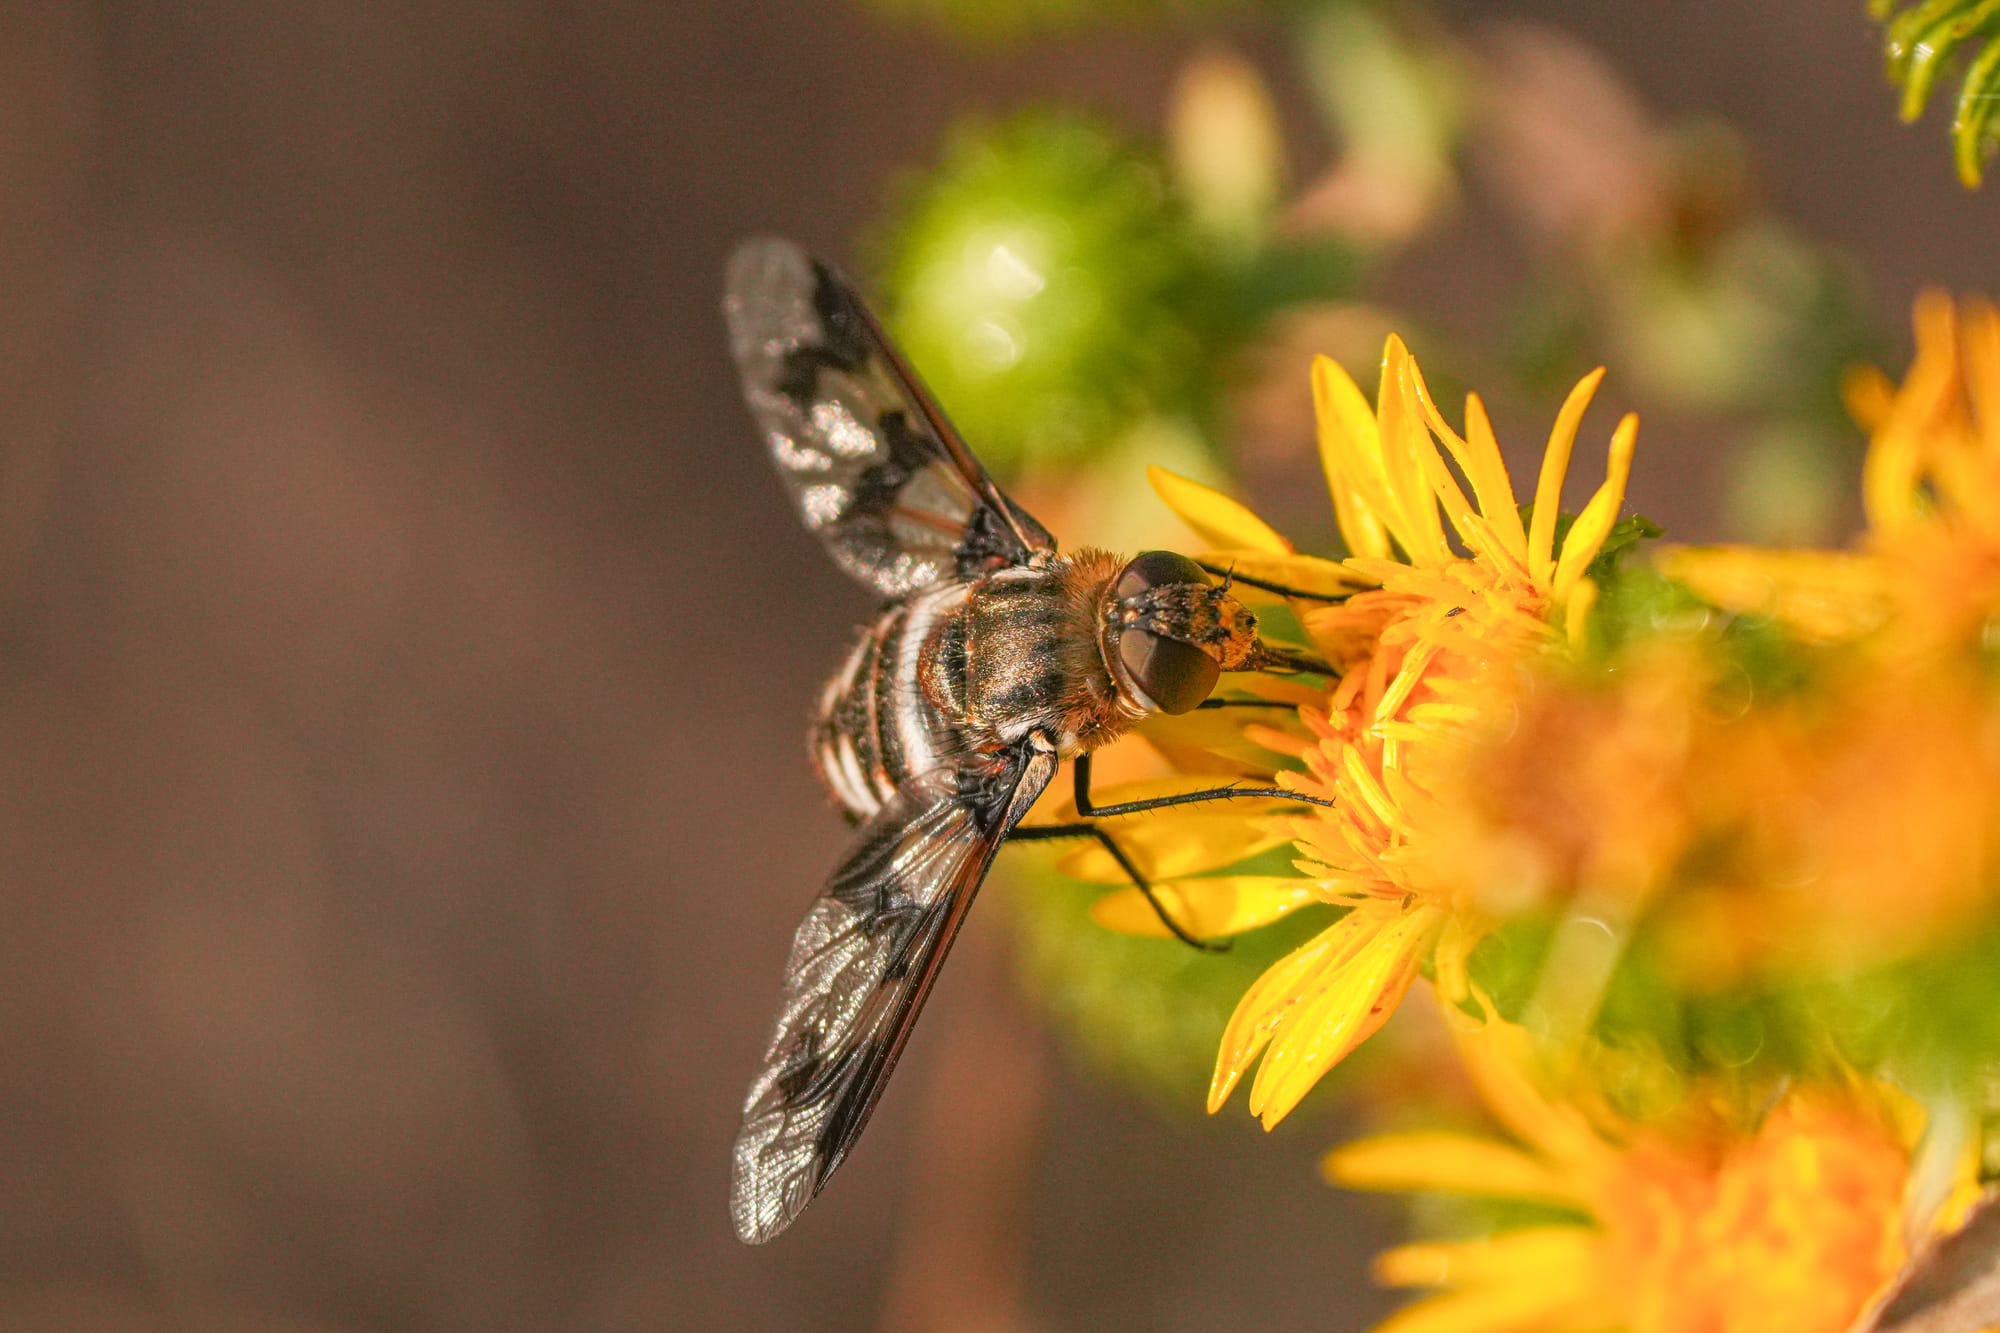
{"points": [[1245, 703], [1271, 657], [1265, 585], [1088, 810], [1046, 831]]}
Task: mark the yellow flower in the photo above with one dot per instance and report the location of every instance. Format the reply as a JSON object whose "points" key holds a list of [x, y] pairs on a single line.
{"points": [[1929, 568], [1707, 1225], [1826, 827], [1583, 806], [1457, 594]]}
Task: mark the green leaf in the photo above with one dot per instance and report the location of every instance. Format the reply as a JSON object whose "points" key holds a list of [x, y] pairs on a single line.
{"points": [[1922, 43]]}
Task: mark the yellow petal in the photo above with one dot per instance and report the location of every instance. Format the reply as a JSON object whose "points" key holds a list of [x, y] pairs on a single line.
{"points": [[1362, 993], [1447, 1164], [1460, 511], [1166, 849], [1869, 395], [1362, 785], [1541, 1280], [1980, 340], [1306, 573], [1484, 542], [1408, 677], [1555, 466], [1216, 518], [1350, 454], [1582, 601], [1210, 908], [1272, 996], [1216, 746], [1556, 1261], [1890, 471], [1276, 740], [1451, 957], [1889, 495], [1586, 536], [1500, 1058], [1405, 446], [1478, 458], [1496, 493], [1825, 596]]}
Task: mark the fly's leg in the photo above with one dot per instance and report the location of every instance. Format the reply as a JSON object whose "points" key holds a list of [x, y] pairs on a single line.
{"points": [[1090, 811], [1044, 832]]}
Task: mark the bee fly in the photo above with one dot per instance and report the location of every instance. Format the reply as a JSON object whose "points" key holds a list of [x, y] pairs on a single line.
{"points": [[995, 658]]}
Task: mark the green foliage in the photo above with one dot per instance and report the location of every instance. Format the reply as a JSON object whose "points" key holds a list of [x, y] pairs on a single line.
{"points": [[1937, 1016], [1632, 598], [1754, 656], [1623, 539], [1922, 41], [1932, 1020], [1148, 1011], [1652, 1034], [1636, 600], [1011, 20], [1506, 964]]}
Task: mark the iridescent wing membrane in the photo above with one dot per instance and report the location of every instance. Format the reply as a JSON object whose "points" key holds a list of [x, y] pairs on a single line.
{"points": [[876, 471], [861, 966], [871, 463]]}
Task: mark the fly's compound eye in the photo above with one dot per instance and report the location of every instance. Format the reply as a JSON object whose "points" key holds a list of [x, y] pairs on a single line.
{"points": [[1176, 676], [1163, 606], [1155, 569]]}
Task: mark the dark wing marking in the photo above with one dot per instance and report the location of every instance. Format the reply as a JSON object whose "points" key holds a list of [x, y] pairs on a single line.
{"points": [[872, 465], [861, 966]]}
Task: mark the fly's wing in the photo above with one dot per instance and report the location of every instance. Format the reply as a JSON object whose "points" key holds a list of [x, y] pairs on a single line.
{"points": [[871, 463], [861, 966]]}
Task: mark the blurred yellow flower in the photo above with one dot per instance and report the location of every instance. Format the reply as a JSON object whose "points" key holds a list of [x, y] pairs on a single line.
{"points": [[1455, 595], [1929, 567], [1704, 1226], [1847, 823]]}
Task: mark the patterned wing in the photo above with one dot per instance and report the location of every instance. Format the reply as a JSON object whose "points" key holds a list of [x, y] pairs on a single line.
{"points": [[872, 465], [861, 966]]}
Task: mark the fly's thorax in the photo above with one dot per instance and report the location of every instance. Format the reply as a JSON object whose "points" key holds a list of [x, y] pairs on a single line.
{"points": [[1167, 631], [1032, 661]]}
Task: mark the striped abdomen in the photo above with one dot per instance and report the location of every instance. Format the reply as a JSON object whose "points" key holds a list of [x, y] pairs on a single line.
{"points": [[877, 726]]}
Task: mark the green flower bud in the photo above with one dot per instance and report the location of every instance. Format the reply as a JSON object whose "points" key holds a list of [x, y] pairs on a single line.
{"points": [[1050, 290]]}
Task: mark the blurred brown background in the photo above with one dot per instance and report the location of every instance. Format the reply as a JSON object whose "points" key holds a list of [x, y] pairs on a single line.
{"points": [[404, 653]]}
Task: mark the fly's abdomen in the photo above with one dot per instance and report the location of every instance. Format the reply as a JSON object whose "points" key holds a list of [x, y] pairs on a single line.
{"points": [[878, 726]]}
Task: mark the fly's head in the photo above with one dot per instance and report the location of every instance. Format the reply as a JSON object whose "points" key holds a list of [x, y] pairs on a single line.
{"points": [[1168, 632]]}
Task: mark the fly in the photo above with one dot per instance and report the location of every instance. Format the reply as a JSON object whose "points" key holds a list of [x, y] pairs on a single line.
{"points": [[994, 658]]}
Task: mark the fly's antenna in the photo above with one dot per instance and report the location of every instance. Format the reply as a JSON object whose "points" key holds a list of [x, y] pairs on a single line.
{"points": [[1275, 657], [1230, 577]]}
